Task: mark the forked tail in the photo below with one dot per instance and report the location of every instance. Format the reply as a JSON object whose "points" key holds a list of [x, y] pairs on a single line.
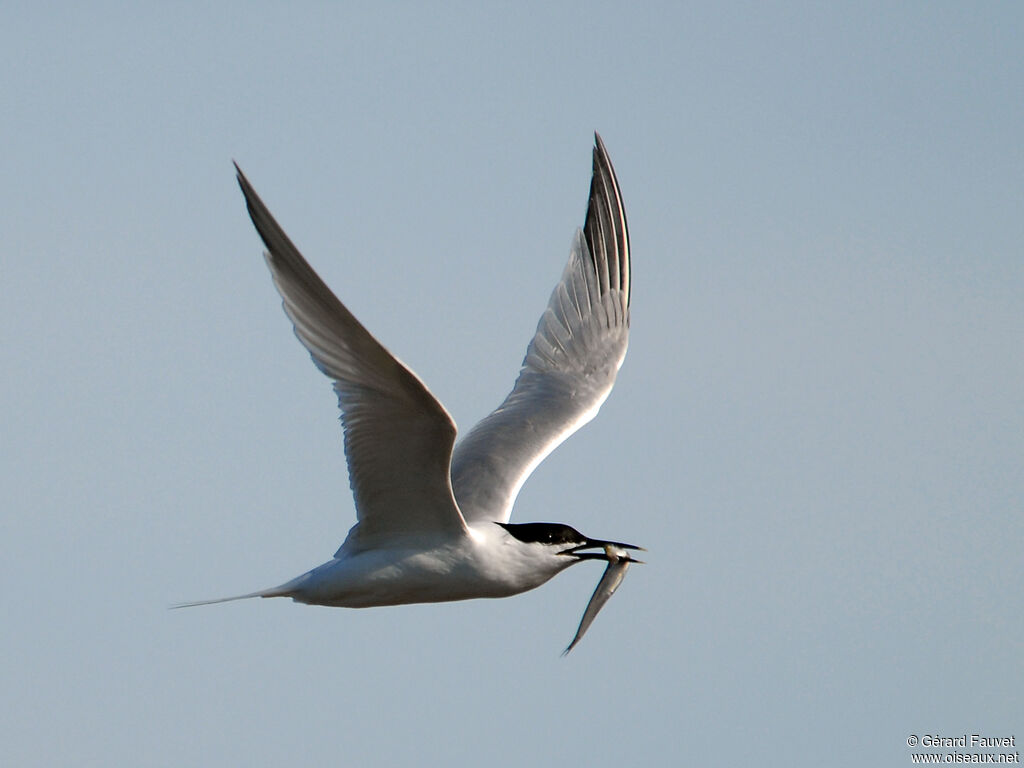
{"points": [[274, 592]]}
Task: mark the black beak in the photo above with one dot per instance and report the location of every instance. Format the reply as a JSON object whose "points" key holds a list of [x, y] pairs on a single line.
{"points": [[604, 554]]}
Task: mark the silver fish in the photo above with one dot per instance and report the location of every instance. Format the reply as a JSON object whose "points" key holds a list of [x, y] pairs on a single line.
{"points": [[618, 564]]}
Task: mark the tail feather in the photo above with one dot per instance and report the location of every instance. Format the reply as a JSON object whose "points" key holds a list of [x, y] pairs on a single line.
{"points": [[274, 592]]}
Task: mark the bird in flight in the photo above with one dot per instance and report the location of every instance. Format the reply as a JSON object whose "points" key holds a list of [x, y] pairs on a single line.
{"points": [[432, 515]]}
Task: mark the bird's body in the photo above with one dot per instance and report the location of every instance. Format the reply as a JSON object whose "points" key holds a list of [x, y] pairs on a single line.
{"points": [[486, 562], [432, 516]]}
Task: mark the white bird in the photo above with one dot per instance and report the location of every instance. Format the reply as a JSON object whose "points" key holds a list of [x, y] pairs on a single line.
{"points": [[432, 516]]}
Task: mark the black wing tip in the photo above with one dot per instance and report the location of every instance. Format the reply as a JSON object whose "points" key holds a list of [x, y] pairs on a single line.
{"points": [[245, 185], [274, 238], [266, 226], [601, 160], [239, 176], [605, 195]]}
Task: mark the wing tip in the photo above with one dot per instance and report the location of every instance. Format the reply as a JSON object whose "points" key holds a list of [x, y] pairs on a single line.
{"points": [[243, 182], [606, 215]]}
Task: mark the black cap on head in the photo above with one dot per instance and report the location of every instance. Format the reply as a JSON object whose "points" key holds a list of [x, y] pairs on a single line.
{"points": [[545, 533]]}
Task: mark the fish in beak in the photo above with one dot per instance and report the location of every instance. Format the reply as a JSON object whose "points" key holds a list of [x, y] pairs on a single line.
{"points": [[618, 563]]}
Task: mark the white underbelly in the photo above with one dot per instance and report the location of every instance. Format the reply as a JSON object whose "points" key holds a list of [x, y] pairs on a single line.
{"points": [[387, 578]]}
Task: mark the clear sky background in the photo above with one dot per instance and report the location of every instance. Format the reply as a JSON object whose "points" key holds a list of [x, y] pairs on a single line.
{"points": [[818, 432]]}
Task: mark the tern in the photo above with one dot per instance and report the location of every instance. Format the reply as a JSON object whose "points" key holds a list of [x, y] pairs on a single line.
{"points": [[432, 515]]}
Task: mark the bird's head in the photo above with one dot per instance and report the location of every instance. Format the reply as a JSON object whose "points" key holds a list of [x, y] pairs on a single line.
{"points": [[565, 541]]}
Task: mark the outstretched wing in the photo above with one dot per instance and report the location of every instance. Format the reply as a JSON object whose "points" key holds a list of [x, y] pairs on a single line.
{"points": [[570, 365], [398, 437]]}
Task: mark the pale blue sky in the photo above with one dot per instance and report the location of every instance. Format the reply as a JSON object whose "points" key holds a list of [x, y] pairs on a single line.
{"points": [[818, 431]]}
